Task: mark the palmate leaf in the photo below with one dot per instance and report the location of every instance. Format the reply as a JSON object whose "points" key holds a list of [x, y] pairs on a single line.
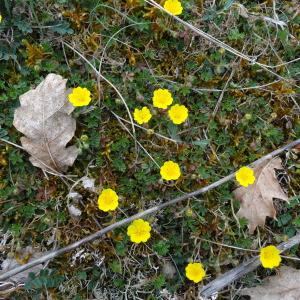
{"points": [[44, 118]]}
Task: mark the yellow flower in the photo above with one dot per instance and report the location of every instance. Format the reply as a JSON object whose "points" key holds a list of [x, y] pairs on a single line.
{"points": [[173, 6], [162, 98], [195, 272], [142, 116], [80, 96], [245, 176], [139, 231], [0, 18], [108, 200], [170, 170], [178, 113], [270, 257]]}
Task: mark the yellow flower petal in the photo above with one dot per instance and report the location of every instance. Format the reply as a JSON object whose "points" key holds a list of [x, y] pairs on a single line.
{"points": [[195, 272], [80, 96], [162, 98], [142, 116], [245, 176], [178, 113], [170, 170], [174, 7], [270, 257], [108, 200], [139, 231]]}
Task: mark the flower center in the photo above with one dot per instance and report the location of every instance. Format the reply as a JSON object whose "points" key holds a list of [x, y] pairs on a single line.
{"points": [[269, 255], [139, 231], [107, 200]]}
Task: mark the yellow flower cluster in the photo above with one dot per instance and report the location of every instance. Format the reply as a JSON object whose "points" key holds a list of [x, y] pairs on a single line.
{"points": [[162, 98], [142, 116], [178, 113], [80, 96], [0, 18], [170, 170], [245, 176], [270, 257], [108, 200], [195, 272], [139, 231], [174, 7]]}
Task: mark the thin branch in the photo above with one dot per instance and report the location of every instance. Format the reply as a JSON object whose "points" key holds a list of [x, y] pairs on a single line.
{"points": [[100, 233], [224, 280]]}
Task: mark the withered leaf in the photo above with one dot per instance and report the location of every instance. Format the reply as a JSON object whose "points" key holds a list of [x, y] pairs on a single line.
{"points": [[257, 199], [25, 255], [16, 282], [44, 118], [284, 286]]}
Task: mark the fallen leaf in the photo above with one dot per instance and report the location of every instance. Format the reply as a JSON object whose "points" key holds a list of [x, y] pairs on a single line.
{"points": [[257, 199], [16, 282], [44, 118], [23, 256], [284, 286]]}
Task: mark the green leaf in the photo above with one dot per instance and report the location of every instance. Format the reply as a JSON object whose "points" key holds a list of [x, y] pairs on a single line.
{"points": [[161, 247], [228, 4], [159, 282], [23, 26], [115, 266], [119, 165], [81, 275], [62, 28], [201, 143]]}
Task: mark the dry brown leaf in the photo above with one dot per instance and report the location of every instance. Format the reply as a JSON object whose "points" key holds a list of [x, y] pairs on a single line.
{"points": [[284, 286], [257, 199], [16, 282], [44, 118]]}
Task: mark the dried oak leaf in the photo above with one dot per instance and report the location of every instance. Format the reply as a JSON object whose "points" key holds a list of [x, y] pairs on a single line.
{"points": [[284, 286], [257, 199], [44, 118], [16, 282], [23, 256]]}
